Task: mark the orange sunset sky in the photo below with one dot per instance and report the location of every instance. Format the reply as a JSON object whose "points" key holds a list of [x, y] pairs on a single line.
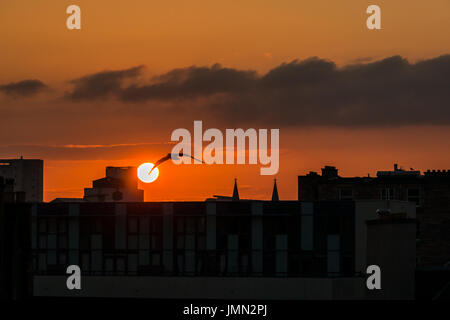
{"points": [[112, 92]]}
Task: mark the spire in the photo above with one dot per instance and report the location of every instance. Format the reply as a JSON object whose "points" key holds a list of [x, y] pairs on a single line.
{"points": [[235, 191], [275, 191]]}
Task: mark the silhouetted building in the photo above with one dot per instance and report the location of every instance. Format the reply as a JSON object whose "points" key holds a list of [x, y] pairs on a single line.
{"points": [[430, 192], [391, 246], [15, 244], [28, 176], [233, 197], [212, 249], [8, 193], [119, 185]]}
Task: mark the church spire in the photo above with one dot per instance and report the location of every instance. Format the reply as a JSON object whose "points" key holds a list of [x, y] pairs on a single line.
{"points": [[275, 191], [235, 191]]}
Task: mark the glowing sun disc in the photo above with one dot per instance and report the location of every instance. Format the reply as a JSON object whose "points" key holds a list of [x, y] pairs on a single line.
{"points": [[144, 169]]}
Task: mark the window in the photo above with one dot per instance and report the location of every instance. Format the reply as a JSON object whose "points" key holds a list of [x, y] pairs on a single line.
{"points": [[281, 254], [92, 244], [387, 194], [51, 244], [345, 194], [333, 224], [333, 253], [307, 229], [109, 265], [414, 196], [190, 241], [144, 245], [132, 225], [233, 254], [234, 245]]}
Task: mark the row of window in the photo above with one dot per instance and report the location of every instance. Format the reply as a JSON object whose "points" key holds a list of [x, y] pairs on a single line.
{"points": [[413, 195], [144, 255], [291, 245], [190, 263]]}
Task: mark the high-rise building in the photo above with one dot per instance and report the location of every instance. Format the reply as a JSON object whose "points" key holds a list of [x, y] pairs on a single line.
{"points": [[28, 176]]}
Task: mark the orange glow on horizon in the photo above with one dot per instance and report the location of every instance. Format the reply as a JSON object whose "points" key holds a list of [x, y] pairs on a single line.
{"points": [[78, 139]]}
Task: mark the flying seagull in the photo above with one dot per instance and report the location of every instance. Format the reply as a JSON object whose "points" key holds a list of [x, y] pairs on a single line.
{"points": [[173, 156]]}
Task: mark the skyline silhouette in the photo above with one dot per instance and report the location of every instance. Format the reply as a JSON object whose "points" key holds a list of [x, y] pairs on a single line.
{"points": [[340, 94]]}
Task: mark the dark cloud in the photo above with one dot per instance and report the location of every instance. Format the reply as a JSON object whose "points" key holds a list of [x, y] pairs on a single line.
{"points": [[84, 152], [315, 91], [192, 82], [102, 84], [23, 88]]}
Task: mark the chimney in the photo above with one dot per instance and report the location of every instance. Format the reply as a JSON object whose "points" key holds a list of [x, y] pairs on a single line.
{"points": [[329, 172]]}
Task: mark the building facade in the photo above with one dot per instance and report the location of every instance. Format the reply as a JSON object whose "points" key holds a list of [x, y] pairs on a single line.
{"points": [[15, 239], [119, 185], [389, 246], [28, 176], [430, 192], [222, 249]]}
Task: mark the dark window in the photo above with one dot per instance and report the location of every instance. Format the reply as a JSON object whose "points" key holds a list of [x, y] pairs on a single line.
{"points": [[52, 242], [346, 194], [414, 196], [190, 243], [387, 194]]}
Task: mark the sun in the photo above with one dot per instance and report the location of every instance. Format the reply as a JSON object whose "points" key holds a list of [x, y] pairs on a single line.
{"points": [[144, 169]]}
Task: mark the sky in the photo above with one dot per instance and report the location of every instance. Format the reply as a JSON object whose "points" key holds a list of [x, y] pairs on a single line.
{"points": [[113, 92]]}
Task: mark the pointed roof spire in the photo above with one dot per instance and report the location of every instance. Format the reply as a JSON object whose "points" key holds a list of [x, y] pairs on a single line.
{"points": [[235, 191], [275, 191]]}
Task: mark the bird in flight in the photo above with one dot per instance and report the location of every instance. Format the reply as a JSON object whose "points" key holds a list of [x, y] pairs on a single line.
{"points": [[173, 156]]}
